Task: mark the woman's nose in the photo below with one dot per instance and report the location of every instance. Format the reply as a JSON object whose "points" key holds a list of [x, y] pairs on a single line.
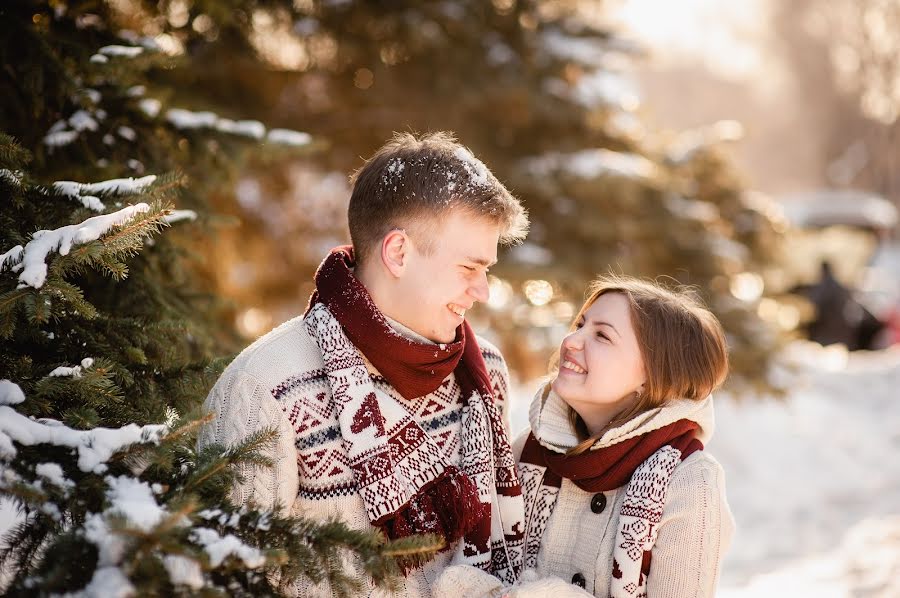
{"points": [[573, 341]]}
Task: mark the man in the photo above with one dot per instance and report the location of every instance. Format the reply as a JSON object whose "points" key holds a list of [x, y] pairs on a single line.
{"points": [[388, 409]]}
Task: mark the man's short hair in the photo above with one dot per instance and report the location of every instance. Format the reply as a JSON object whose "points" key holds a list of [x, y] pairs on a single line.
{"points": [[410, 182]]}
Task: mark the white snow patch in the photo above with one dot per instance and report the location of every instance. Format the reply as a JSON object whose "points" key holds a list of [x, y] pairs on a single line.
{"points": [[53, 473], [134, 499], [74, 371], [82, 121], [60, 138], [220, 547], [107, 582], [10, 393], [184, 571], [186, 119], [127, 133], [288, 137], [92, 94], [117, 50], [150, 106], [33, 256], [247, 128], [94, 446], [478, 173], [177, 215], [593, 163]]}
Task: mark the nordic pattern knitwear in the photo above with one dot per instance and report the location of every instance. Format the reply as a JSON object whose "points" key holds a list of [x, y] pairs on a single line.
{"points": [[400, 473], [280, 382], [671, 518]]}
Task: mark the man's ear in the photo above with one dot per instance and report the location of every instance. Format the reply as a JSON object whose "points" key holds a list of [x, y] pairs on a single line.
{"points": [[395, 249]]}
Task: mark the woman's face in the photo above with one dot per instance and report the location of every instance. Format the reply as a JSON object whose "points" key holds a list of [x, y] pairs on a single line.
{"points": [[600, 364]]}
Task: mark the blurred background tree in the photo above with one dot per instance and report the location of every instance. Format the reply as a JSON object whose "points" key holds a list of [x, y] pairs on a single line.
{"points": [[539, 90]]}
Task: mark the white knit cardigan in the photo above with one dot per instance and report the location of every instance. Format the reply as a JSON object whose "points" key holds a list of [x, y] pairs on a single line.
{"points": [[696, 527], [277, 382]]}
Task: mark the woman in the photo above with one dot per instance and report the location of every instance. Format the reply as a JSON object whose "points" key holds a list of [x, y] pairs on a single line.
{"points": [[621, 498]]}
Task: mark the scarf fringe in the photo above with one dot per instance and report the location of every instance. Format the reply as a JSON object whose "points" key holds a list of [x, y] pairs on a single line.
{"points": [[449, 506]]}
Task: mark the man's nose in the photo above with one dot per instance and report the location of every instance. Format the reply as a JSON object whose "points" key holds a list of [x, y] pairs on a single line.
{"points": [[480, 290]]}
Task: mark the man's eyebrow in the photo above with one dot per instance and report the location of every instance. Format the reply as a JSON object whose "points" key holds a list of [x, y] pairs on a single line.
{"points": [[601, 323], [481, 261]]}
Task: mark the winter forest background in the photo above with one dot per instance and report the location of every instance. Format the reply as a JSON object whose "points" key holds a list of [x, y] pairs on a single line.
{"points": [[172, 172]]}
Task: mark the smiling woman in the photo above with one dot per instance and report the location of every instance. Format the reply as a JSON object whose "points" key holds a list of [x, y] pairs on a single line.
{"points": [[617, 440]]}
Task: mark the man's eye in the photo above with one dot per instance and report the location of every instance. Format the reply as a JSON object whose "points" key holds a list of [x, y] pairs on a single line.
{"points": [[469, 268]]}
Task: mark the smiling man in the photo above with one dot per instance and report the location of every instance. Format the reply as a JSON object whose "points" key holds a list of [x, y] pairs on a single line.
{"points": [[388, 407]]}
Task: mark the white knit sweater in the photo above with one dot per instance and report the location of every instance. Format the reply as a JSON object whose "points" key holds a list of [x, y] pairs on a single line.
{"points": [[279, 382], [695, 530]]}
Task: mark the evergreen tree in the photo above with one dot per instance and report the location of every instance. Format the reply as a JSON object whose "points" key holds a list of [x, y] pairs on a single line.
{"points": [[108, 344], [541, 91]]}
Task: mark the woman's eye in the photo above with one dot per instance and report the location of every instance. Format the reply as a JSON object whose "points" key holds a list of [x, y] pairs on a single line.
{"points": [[469, 268], [603, 336], [579, 324]]}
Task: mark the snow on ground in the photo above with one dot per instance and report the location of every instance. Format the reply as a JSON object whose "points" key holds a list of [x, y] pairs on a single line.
{"points": [[813, 480]]}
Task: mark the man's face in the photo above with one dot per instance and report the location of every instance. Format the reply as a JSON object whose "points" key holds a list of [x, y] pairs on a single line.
{"points": [[436, 290]]}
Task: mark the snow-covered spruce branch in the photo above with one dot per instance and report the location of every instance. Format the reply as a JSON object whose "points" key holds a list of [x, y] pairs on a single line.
{"points": [[94, 447], [118, 230]]}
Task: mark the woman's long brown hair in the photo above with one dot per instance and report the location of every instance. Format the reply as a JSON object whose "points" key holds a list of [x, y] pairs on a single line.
{"points": [[682, 345]]}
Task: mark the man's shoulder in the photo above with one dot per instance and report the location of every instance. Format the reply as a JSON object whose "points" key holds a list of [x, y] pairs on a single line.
{"points": [[492, 356], [285, 350]]}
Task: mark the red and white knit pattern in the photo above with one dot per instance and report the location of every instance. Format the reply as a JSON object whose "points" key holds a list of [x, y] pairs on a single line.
{"points": [[390, 455], [386, 456], [639, 517]]}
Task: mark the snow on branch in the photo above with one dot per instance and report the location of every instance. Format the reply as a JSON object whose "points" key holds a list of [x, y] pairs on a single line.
{"points": [[33, 257], [84, 192], [204, 119], [10, 393], [94, 447], [593, 163], [186, 119], [220, 547], [288, 137], [178, 215], [102, 55], [74, 371]]}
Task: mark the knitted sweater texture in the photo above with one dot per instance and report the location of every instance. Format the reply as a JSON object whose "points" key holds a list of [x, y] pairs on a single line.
{"points": [[578, 541], [279, 382]]}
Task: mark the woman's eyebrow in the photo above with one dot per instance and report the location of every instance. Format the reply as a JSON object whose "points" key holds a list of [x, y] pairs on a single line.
{"points": [[602, 323]]}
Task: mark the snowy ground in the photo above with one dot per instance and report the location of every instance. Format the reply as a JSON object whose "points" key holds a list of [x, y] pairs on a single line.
{"points": [[813, 481]]}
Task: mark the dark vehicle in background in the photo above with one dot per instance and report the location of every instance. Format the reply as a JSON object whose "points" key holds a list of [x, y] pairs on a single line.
{"points": [[842, 259]]}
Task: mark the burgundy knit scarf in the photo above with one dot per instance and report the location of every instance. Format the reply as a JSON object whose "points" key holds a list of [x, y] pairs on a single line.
{"points": [[612, 466], [402, 476]]}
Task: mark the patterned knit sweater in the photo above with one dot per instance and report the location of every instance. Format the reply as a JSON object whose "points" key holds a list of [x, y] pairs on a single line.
{"points": [[279, 382], [578, 541]]}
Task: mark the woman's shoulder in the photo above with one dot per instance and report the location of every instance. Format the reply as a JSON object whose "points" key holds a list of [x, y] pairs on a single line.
{"points": [[699, 471]]}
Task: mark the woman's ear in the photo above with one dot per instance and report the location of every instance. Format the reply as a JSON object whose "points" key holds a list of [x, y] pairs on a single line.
{"points": [[394, 251]]}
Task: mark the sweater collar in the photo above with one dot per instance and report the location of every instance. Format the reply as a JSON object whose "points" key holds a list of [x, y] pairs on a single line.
{"points": [[407, 333], [549, 418]]}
